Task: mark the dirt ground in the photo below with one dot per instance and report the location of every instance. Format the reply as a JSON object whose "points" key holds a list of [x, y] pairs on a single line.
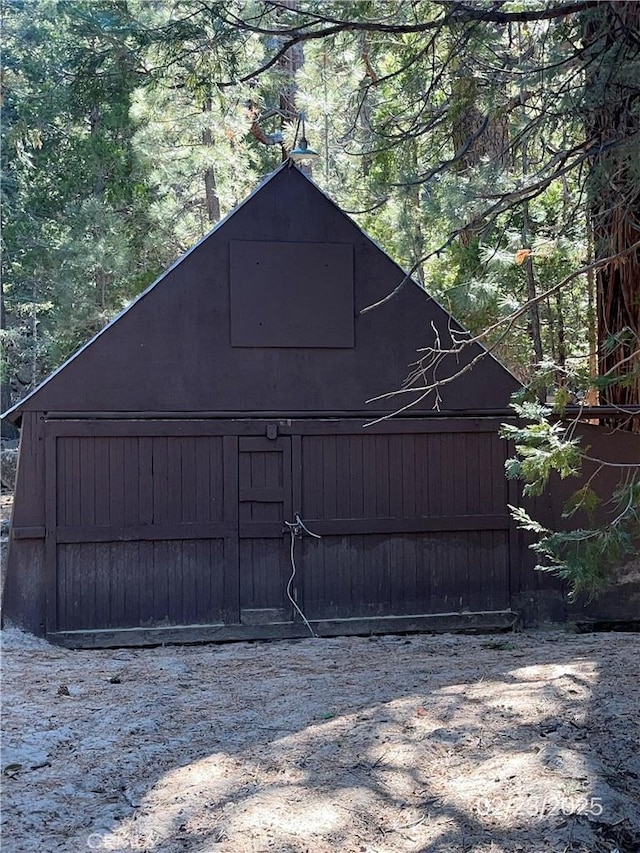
{"points": [[525, 742]]}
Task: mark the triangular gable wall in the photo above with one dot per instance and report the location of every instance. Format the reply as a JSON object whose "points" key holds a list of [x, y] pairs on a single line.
{"points": [[182, 346]]}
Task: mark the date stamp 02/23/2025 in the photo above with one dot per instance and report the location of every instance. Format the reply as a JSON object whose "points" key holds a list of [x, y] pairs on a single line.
{"points": [[538, 806], [513, 807]]}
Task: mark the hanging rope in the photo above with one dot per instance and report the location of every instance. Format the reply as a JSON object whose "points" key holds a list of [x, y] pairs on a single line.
{"points": [[295, 529]]}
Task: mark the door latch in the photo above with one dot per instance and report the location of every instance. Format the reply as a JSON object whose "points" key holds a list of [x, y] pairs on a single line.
{"points": [[298, 527]]}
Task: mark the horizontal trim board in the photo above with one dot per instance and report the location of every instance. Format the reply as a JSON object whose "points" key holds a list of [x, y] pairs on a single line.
{"points": [[393, 426], [263, 494], [623, 412], [256, 428], [471, 622], [145, 532], [443, 524], [28, 532], [132, 428], [262, 529], [355, 413], [275, 529]]}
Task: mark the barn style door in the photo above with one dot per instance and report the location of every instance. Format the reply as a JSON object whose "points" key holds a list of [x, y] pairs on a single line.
{"points": [[181, 525], [265, 503], [411, 522], [183, 528], [142, 526]]}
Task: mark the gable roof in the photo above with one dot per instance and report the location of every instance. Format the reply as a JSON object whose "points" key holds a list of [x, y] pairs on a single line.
{"points": [[13, 412], [145, 358]]}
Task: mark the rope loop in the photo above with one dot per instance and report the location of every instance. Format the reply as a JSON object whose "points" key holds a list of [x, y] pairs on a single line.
{"points": [[295, 529]]}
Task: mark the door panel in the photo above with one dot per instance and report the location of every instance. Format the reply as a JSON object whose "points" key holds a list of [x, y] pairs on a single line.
{"points": [[264, 490], [181, 523], [411, 524], [142, 531]]}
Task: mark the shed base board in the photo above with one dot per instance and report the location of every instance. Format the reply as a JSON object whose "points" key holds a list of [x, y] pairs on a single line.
{"points": [[478, 622]]}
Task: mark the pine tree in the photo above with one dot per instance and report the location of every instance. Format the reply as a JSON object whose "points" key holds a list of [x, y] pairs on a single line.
{"points": [[76, 200]]}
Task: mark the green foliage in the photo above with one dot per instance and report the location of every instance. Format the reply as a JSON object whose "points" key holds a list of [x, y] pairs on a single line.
{"points": [[588, 558], [584, 500], [542, 447], [584, 557], [75, 199]]}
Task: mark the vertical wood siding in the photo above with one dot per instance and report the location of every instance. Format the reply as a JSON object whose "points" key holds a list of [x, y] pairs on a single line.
{"points": [[452, 480], [128, 584], [265, 490], [376, 575], [113, 481], [189, 529], [147, 490], [403, 476]]}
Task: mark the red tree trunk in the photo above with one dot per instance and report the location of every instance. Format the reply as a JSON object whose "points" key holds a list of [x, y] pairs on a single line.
{"points": [[613, 30]]}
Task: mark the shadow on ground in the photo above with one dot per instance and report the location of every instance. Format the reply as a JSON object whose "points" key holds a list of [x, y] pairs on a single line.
{"points": [[519, 743]]}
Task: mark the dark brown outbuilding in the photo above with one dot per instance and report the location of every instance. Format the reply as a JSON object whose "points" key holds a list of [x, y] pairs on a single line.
{"points": [[160, 465]]}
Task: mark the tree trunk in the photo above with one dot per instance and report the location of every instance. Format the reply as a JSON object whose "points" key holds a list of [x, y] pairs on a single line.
{"points": [[612, 31], [562, 341], [210, 188], [288, 64], [8, 429], [592, 397], [532, 290], [99, 178], [476, 136]]}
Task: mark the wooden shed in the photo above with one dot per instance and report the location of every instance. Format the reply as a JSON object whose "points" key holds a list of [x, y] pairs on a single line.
{"points": [[160, 464]]}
